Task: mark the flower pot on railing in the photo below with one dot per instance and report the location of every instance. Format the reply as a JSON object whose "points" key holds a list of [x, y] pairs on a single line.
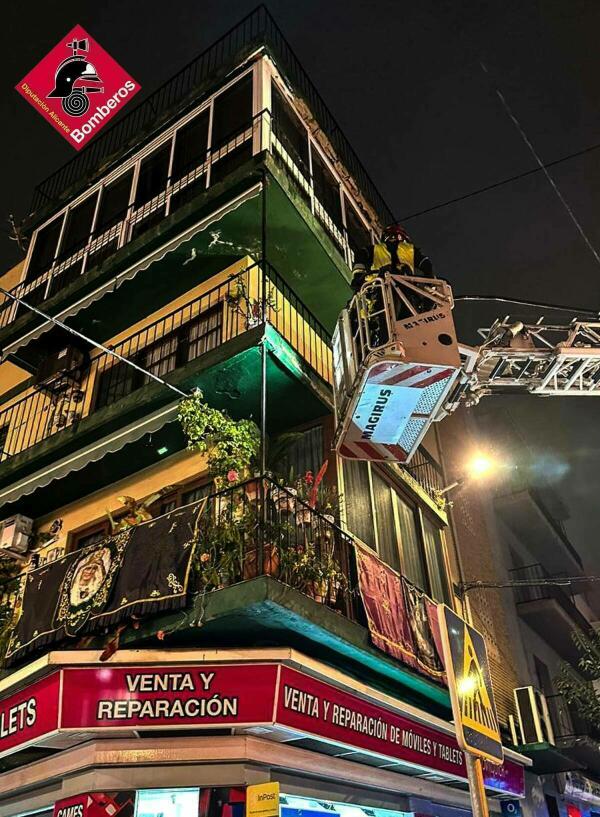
{"points": [[270, 562], [284, 499]]}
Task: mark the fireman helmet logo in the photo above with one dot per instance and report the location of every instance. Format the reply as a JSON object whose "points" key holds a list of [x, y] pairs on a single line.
{"points": [[72, 78], [78, 87]]}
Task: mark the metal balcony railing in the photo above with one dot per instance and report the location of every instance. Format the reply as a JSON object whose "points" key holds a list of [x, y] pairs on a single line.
{"points": [[96, 251], [567, 724], [244, 301], [537, 590], [426, 471], [181, 91]]}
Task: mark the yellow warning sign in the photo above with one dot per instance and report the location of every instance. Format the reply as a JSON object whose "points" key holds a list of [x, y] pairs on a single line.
{"points": [[469, 680], [262, 800]]}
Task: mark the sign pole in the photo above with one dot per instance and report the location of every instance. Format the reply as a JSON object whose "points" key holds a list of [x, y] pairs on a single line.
{"points": [[479, 805]]}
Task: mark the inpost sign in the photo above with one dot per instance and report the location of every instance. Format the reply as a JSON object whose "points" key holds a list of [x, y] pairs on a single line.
{"points": [[470, 683], [262, 800]]}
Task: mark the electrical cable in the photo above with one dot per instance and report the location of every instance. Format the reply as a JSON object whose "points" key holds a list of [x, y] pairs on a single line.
{"points": [[535, 304], [501, 183], [95, 343], [558, 581], [534, 153]]}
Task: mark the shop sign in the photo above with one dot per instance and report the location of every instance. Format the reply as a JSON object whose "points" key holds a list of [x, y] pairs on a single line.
{"points": [[262, 800], [168, 696], [97, 804], [196, 696], [311, 706], [29, 714], [470, 685]]}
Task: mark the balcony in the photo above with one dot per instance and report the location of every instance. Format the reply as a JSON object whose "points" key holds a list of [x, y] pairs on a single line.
{"points": [[212, 341], [549, 610], [576, 745], [270, 569]]}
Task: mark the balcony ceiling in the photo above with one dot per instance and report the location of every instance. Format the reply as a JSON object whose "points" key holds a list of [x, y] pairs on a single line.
{"points": [[113, 442], [555, 624], [525, 518]]}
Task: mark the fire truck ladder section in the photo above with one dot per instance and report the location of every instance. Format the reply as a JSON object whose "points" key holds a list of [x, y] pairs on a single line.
{"points": [[544, 359]]}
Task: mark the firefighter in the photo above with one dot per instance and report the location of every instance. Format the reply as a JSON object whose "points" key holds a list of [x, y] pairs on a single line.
{"points": [[394, 253]]}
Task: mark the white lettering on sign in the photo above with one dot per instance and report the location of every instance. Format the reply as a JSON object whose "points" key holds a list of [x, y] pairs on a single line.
{"points": [[71, 811], [215, 706], [18, 717], [102, 111]]}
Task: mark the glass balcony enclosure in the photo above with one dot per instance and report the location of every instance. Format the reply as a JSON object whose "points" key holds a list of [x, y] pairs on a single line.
{"points": [[247, 116]]}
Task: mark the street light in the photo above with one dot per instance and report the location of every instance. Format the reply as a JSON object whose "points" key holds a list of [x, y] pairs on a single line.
{"points": [[479, 466]]}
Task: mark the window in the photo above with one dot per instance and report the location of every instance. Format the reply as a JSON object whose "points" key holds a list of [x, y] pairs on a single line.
{"points": [[153, 175], [327, 190], [232, 112], [434, 553], [289, 131], [91, 535], [191, 143], [387, 535], [413, 565], [202, 335], [407, 540], [114, 200], [197, 493], [167, 803], [44, 249], [78, 227], [304, 452], [358, 235], [357, 497], [232, 115]]}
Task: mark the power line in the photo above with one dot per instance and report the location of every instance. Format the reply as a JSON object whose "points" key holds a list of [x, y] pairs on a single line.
{"points": [[494, 185], [535, 304], [558, 581], [543, 168], [95, 343]]}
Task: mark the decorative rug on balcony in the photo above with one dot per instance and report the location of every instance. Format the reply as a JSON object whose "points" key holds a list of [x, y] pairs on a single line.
{"points": [[402, 619], [144, 569]]}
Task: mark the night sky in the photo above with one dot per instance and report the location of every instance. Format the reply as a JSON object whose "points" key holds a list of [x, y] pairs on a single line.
{"points": [[405, 83]]}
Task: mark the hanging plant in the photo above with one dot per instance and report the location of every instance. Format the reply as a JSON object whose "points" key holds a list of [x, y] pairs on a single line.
{"points": [[231, 446]]}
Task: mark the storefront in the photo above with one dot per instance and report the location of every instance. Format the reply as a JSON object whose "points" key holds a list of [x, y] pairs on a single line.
{"points": [[182, 734]]}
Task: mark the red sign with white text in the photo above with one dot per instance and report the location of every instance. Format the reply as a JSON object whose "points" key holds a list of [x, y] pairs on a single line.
{"points": [[311, 706], [78, 87], [97, 804], [174, 696], [29, 714], [196, 696]]}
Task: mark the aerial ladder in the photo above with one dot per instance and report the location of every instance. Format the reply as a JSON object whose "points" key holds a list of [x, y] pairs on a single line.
{"points": [[398, 366]]}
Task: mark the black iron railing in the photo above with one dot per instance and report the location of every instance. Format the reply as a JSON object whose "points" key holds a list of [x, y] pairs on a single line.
{"points": [[426, 471], [260, 528], [242, 302], [181, 91], [538, 589]]}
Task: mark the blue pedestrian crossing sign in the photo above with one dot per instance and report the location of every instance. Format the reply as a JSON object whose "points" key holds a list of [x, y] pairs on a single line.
{"points": [[470, 684]]}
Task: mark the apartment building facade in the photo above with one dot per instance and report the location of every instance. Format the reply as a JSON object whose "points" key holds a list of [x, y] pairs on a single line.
{"points": [[207, 238]]}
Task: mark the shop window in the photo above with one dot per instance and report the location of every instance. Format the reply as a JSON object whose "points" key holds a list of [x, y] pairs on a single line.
{"points": [[167, 803], [434, 553], [78, 227], [191, 143], [387, 539], [327, 190], [357, 500], [114, 200], [358, 235], [44, 249], [232, 112], [152, 178], [289, 131]]}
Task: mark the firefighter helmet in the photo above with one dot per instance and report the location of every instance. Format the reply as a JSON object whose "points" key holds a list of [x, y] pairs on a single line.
{"points": [[70, 71], [395, 232]]}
